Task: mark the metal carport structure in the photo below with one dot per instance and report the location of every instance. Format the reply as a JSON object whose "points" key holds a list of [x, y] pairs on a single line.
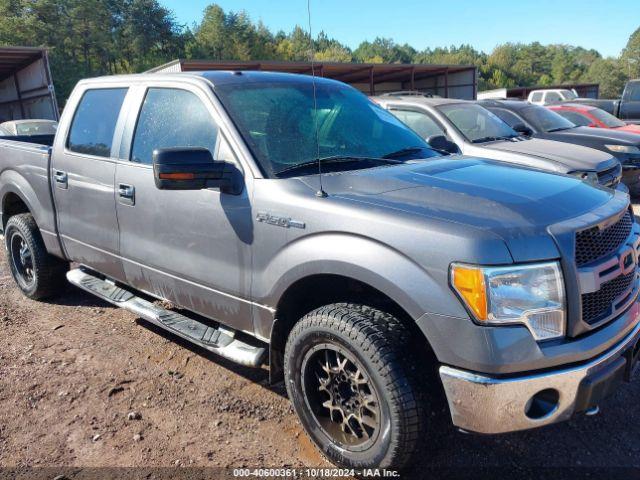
{"points": [[450, 81], [26, 87]]}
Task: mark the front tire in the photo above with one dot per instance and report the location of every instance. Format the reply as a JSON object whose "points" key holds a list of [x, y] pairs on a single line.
{"points": [[37, 274], [356, 389]]}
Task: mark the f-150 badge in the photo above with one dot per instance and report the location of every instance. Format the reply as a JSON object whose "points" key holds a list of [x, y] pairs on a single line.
{"points": [[279, 221]]}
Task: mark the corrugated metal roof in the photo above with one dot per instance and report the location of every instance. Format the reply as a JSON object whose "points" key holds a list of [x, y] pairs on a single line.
{"points": [[345, 72], [13, 59]]}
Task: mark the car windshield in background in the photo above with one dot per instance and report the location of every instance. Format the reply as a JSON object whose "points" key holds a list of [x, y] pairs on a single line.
{"points": [[545, 120], [279, 121], [568, 94], [609, 120], [36, 128], [476, 123]]}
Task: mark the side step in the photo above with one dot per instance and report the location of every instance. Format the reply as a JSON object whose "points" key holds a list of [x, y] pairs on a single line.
{"points": [[220, 340]]}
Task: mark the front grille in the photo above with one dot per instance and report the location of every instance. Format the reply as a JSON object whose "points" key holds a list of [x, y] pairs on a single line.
{"points": [[599, 305], [593, 244], [610, 177]]}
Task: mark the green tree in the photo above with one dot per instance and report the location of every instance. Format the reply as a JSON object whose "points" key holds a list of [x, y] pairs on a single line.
{"points": [[610, 74], [385, 49], [630, 57]]}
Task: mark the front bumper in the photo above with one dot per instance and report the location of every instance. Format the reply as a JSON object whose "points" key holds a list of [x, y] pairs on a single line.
{"points": [[490, 405]]}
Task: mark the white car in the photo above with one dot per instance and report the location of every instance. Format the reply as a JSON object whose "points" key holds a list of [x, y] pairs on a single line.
{"points": [[28, 127], [545, 97]]}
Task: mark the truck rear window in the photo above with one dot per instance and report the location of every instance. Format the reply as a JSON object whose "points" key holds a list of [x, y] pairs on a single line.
{"points": [[94, 122]]}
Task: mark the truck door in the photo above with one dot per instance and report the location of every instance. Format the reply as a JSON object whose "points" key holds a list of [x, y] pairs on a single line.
{"points": [[190, 247], [83, 171], [630, 105]]}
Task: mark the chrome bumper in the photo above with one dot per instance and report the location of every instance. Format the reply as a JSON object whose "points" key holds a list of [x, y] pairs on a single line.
{"points": [[491, 405]]}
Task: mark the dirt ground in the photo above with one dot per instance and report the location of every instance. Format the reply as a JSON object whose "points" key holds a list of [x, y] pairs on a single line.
{"points": [[85, 384]]}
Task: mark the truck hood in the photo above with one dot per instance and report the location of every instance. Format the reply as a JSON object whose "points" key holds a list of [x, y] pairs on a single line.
{"points": [[517, 204], [574, 157], [607, 135]]}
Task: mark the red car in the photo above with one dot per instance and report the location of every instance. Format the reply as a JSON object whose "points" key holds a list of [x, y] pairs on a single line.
{"points": [[588, 116]]}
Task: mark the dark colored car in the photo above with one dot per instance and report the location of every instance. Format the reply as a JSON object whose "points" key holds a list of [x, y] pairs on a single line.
{"points": [[540, 122]]}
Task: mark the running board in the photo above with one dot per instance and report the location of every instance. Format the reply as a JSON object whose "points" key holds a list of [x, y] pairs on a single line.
{"points": [[220, 340]]}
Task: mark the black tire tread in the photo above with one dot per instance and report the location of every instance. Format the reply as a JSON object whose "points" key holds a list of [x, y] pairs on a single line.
{"points": [[50, 271], [386, 340]]}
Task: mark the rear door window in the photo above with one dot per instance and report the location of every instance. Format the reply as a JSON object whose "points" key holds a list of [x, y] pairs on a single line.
{"points": [[94, 121], [172, 118], [536, 97], [552, 97]]}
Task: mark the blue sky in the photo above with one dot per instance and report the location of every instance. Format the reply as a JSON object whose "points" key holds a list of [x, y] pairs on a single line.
{"points": [[603, 25]]}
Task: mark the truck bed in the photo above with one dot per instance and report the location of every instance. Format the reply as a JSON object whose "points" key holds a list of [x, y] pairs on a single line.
{"points": [[25, 173]]}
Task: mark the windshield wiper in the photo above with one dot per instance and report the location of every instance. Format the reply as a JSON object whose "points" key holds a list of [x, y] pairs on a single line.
{"points": [[491, 139], [405, 151], [337, 159], [559, 129]]}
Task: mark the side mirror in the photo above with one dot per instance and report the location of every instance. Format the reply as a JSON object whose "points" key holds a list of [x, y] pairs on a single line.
{"points": [[193, 169], [442, 143], [523, 129]]}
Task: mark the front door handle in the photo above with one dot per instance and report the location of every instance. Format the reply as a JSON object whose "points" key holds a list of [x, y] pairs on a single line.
{"points": [[61, 178], [127, 193]]}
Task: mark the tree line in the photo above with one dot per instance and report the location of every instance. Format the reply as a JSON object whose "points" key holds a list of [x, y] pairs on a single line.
{"points": [[97, 37]]}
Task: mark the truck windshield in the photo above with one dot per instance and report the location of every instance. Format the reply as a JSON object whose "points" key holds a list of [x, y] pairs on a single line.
{"points": [[545, 120], [568, 94], [278, 121], [476, 123]]}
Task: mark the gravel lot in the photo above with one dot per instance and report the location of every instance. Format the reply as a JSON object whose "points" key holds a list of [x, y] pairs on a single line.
{"points": [[84, 384]]}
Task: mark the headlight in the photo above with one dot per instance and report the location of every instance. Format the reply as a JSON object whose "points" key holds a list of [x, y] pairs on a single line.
{"points": [[531, 295], [632, 149], [589, 177]]}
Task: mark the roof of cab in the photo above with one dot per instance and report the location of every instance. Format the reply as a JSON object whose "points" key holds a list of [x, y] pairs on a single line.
{"points": [[220, 77], [510, 104], [419, 99], [574, 106]]}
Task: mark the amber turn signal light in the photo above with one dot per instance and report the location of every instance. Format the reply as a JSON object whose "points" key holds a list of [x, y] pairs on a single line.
{"points": [[176, 176], [469, 283]]}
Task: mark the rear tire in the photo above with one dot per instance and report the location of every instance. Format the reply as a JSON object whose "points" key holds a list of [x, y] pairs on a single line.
{"points": [[37, 274], [356, 387]]}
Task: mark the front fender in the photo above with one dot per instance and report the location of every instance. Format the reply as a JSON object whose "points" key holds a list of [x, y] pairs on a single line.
{"points": [[378, 265]]}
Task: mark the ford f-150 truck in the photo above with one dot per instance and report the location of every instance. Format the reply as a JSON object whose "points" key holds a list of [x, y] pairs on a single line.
{"points": [[305, 228]]}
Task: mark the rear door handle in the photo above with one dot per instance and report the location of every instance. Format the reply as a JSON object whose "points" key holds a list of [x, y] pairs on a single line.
{"points": [[127, 194], [61, 178]]}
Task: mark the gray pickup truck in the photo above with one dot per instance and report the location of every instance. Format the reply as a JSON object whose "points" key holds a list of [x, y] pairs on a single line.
{"points": [[393, 281]]}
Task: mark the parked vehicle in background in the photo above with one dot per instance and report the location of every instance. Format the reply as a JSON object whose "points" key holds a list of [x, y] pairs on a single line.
{"points": [[29, 127], [544, 97], [590, 116], [627, 108], [540, 122], [395, 279], [459, 126]]}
